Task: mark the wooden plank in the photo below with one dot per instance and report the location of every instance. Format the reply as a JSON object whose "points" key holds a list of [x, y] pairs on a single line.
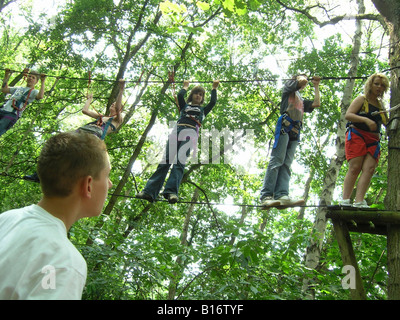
{"points": [[377, 217], [350, 208], [348, 257]]}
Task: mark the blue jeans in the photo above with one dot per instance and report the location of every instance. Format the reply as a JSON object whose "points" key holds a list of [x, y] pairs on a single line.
{"points": [[180, 142], [7, 120], [277, 177]]}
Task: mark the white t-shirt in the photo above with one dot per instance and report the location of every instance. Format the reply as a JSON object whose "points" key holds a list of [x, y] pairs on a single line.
{"points": [[16, 94], [37, 260]]}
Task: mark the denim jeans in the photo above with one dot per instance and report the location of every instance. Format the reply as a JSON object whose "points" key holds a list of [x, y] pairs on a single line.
{"points": [[180, 142], [7, 120], [277, 177]]}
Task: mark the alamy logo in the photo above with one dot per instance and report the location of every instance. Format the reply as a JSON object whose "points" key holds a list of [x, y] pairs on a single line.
{"points": [[349, 280], [206, 147], [49, 279]]}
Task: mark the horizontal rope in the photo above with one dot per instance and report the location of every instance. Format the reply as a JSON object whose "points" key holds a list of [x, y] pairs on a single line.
{"points": [[4, 174], [249, 205], [212, 203], [205, 81]]}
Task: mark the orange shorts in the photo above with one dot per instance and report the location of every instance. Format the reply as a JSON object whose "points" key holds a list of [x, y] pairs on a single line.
{"points": [[359, 143]]}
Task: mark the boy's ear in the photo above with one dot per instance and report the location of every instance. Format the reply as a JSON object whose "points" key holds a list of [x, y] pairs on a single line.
{"points": [[87, 187]]}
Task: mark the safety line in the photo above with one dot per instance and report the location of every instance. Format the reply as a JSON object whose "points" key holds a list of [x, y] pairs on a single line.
{"points": [[207, 81], [252, 205], [213, 203], [4, 174]]}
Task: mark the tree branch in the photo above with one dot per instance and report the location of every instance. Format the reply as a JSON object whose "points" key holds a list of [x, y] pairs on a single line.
{"points": [[335, 20]]}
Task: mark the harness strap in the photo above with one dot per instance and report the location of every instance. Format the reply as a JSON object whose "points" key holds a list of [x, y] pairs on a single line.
{"points": [[19, 110], [282, 128], [105, 129], [365, 108], [195, 120]]}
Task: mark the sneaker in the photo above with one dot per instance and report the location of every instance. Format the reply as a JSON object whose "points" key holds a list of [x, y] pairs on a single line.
{"points": [[285, 201], [144, 196], [171, 197], [269, 201], [362, 204], [345, 203]]}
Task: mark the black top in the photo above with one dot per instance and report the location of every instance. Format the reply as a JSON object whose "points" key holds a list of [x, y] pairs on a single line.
{"points": [[191, 114], [376, 118]]}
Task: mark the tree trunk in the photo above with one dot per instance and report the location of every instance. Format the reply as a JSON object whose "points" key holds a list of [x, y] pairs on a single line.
{"points": [[390, 10], [184, 237], [393, 261], [307, 188], [130, 53], [314, 249]]}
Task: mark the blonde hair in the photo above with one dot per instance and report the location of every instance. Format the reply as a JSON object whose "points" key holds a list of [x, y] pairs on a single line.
{"points": [[370, 81], [66, 158]]}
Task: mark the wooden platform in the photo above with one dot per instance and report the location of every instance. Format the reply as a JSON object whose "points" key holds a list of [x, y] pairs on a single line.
{"points": [[368, 220], [364, 220]]}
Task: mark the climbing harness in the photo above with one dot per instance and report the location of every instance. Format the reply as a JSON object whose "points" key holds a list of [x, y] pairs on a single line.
{"points": [[16, 103], [381, 112], [287, 125], [99, 130]]}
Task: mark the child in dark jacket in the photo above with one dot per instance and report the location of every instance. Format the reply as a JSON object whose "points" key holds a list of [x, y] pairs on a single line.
{"points": [[180, 142]]}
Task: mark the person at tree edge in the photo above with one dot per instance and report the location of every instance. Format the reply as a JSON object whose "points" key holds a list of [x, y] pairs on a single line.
{"points": [[366, 116], [275, 189]]}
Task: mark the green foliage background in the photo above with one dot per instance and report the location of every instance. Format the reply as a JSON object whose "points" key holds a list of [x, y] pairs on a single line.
{"points": [[135, 250]]}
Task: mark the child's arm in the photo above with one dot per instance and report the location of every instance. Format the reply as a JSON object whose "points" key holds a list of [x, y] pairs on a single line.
{"points": [[118, 102], [181, 94], [85, 109], [4, 88], [213, 100], [40, 95], [317, 101]]}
